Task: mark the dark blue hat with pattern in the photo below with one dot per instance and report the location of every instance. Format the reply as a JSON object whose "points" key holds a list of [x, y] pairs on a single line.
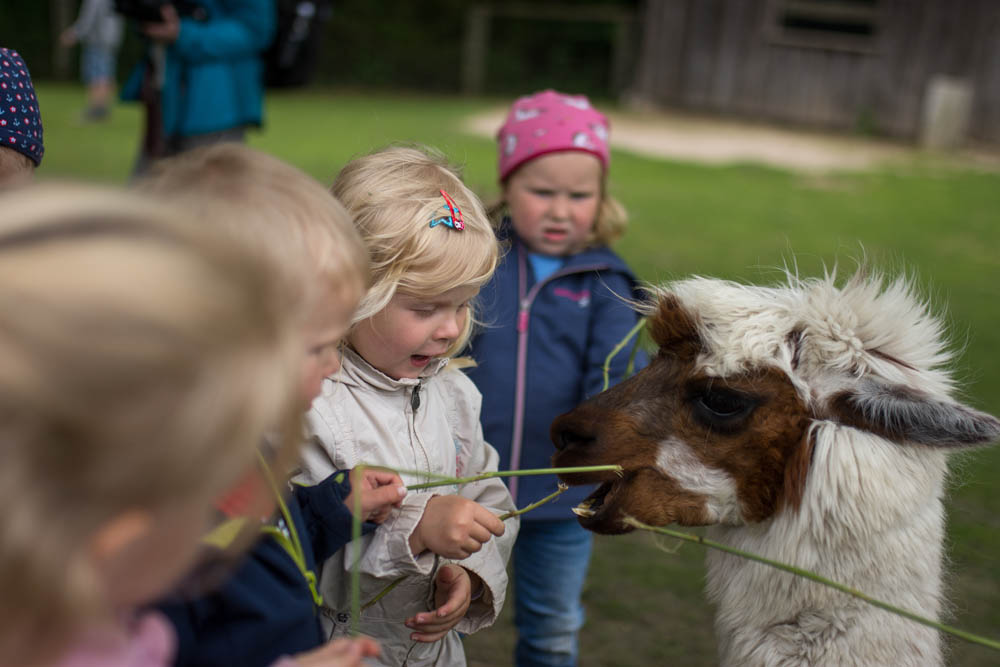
{"points": [[20, 119]]}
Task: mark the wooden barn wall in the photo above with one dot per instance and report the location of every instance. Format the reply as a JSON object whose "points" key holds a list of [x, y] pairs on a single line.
{"points": [[717, 55]]}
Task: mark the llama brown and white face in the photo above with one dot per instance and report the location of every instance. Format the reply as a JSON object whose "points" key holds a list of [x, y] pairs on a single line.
{"points": [[717, 428], [696, 449]]}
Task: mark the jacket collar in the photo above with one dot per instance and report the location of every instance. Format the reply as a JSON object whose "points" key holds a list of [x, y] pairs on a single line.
{"points": [[356, 371], [585, 258]]}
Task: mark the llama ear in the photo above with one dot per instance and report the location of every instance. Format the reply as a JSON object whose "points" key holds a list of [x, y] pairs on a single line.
{"points": [[900, 414]]}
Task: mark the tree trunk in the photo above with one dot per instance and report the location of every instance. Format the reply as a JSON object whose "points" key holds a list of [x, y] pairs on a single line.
{"points": [[61, 14]]}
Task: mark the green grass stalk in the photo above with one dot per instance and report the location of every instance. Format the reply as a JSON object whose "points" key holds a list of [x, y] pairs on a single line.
{"points": [[356, 565], [618, 348], [508, 473], [538, 503]]}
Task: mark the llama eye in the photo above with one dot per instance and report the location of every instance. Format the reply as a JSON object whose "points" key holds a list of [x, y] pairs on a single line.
{"points": [[722, 409]]}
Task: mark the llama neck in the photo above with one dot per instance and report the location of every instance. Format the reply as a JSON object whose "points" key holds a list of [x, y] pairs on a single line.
{"points": [[871, 518]]}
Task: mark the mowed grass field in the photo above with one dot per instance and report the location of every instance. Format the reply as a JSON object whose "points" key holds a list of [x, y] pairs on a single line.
{"points": [[939, 223]]}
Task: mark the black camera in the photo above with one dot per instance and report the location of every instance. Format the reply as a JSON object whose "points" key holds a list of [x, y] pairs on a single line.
{"points": [[148, 11]]}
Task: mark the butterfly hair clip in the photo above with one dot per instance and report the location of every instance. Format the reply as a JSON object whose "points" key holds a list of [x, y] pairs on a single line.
{"points": [[454, 219]]}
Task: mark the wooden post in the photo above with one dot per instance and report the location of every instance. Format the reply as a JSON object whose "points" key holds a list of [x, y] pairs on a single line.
{"points": [[475, 47], [60, 17], [621, 52]]}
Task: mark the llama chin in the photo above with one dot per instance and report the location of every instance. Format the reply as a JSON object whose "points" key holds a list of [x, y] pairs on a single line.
{"points": [[809, 423]]}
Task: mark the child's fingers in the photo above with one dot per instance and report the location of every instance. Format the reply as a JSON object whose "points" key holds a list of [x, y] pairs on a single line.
{"points": [[452, 605], [341, 652], [382, 477], [480, 534], [373, 500], [489, 520], [430, 624], [428, 637], [470, 546], [369, 647]]}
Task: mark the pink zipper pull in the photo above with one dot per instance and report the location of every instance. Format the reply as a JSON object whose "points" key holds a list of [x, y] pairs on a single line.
{"points": [[522, 321]]}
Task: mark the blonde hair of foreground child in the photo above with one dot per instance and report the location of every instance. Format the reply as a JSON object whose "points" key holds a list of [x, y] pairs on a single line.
{"points": [[393, 195], [278, 208], [141, 362]]}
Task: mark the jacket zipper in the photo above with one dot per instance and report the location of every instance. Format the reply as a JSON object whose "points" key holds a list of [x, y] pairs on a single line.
{"points": [[526, 297], [415, 399], [418, 446]]}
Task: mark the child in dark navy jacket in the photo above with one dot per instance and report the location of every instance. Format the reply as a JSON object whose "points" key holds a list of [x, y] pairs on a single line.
{"points": [[267, 608], [266, 612], [555, 308]]}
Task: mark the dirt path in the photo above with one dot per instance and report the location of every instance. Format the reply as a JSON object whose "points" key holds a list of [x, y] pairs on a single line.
{"points": [[711, 141]]}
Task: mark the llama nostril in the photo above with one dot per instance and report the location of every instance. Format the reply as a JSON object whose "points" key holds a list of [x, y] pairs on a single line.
{"points": [[567, 438]]}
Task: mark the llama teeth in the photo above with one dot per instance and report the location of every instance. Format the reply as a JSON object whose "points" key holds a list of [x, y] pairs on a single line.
{"points": [[585, 512]]}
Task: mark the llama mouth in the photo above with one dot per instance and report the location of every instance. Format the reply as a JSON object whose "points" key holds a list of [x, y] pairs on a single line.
{"points": [[599, 506]]}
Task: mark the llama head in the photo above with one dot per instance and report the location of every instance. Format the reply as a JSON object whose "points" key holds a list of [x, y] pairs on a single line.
{"points": [[717, 429]]}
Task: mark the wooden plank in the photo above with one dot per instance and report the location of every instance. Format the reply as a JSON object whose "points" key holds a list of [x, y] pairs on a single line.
{"points": [[596, 13], [475, 47], [725, 61]]}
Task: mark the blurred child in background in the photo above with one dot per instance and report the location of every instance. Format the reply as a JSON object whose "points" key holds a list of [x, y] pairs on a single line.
{"points": [[268, 607], [555, 308], [401, 401], [141, 360], [98, 30], [20, 122]]}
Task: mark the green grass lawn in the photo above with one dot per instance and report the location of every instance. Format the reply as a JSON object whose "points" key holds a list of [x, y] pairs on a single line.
{"points": [[644, 596]]}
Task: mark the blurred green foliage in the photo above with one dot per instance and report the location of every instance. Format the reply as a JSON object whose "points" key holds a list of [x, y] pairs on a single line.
{"points": [[399, 45]]}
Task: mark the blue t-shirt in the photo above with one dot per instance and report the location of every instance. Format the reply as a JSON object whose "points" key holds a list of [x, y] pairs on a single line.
{"points": [[544, 265]]}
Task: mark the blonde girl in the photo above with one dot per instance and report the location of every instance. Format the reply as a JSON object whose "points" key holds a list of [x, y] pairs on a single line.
{"points": [[400, 401], [140, 363]]}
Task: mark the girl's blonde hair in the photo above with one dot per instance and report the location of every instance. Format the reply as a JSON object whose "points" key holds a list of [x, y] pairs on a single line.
{"points": [[609, 225], [272, 205], [141, 361], [393, 195]]}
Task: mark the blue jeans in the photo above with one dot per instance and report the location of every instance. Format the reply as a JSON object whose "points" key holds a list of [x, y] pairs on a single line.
{"points": [[550, 565]]}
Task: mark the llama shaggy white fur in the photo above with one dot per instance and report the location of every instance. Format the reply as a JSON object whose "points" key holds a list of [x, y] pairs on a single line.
{"points": [[808, 423], [871, 516], [872, 519]]}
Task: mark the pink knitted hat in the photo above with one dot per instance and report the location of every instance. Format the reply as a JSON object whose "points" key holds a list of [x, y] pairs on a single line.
{"points": [[547, 122]]}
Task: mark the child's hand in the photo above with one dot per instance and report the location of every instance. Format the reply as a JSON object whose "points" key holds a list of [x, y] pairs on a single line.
{"points": [[380, 491], [454, 527], [452, 595], [339, 653], [169, 27]]}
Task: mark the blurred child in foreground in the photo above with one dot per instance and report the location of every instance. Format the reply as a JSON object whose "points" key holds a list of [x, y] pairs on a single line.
{"points": [[267, 608], [141, 360]]}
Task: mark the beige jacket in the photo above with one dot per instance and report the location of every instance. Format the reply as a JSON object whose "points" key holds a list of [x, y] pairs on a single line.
{"points": [[364, 416]]}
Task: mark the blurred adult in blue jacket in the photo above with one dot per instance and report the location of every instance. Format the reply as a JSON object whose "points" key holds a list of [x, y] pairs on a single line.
{"points": [[202, 78]]}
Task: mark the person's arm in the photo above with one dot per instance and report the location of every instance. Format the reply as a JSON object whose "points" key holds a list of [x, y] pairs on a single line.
{"points": [[327, 507], [245, 29], [327, 518], [610, 321], [90, 13]]}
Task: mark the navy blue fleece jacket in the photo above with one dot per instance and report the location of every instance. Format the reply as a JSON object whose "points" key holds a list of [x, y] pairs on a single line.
{"points": [[541, 353]]}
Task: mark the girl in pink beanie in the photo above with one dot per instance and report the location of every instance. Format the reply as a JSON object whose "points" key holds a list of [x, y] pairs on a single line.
{"points": [[556, 308]]}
